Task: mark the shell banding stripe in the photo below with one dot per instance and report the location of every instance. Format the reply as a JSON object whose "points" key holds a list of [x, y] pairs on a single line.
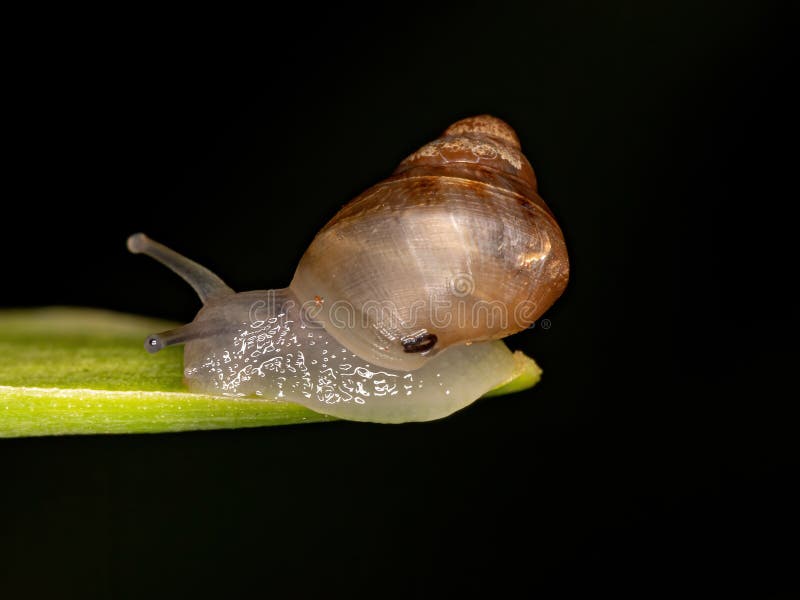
{"points": [[456, 149]]}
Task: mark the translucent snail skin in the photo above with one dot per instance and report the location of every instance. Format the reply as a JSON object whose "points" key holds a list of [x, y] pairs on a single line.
{"points": [[397, 308]]}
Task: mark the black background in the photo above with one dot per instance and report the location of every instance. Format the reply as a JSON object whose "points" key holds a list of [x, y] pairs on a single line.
{"points": [[658, 455]]}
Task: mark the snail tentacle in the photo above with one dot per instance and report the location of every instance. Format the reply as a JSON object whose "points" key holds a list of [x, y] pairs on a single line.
{"points": [[185, 333], [205, 283]]}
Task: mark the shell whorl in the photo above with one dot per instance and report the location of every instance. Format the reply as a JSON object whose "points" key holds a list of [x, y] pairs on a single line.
{"points": [[455, 247], [485, 125], [482, 148]]}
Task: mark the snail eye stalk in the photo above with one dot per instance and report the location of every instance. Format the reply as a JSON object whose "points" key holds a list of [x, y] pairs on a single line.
{"points": [[205, 283]]}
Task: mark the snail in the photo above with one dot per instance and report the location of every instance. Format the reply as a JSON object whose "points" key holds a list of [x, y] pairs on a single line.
{"points": [[397, 308]]}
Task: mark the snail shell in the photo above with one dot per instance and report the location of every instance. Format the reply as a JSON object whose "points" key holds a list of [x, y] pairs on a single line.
{"points": [[396, 308], [456, 246]]}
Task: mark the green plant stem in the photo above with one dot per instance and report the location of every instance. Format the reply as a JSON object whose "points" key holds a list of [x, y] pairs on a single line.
{"points": [[79, 371], [47, 411]]}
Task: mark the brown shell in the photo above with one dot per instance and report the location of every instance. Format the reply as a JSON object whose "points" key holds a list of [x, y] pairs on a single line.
{"points": [[455, 247]]}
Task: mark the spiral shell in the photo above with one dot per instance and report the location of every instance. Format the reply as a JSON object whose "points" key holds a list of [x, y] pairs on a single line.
{"points": [[455, 247]]}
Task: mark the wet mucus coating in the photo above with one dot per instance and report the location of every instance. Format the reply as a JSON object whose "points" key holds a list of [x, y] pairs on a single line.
{"points": [[263, 344]]}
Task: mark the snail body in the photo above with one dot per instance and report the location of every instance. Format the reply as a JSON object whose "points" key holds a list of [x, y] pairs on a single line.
{"points": [[396, 308]]}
